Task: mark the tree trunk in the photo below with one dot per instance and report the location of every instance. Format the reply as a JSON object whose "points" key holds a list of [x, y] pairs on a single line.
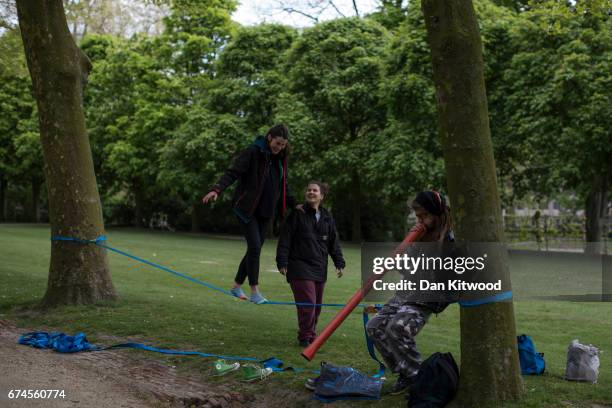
{"points": [[606, 278], [195, 217], [356, 208], [140, 218], [595, 207], [78, 273], [2, 198], [35, 200], [489, 358]]}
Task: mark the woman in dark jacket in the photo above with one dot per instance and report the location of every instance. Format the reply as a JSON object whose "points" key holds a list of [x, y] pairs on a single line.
{"points": [[261, 171], [306, 239]]}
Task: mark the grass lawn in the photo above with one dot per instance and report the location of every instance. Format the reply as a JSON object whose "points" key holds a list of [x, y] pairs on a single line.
{"points": [[166, 311]]}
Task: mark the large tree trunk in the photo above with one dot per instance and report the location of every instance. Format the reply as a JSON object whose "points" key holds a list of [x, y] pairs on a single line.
{"points": [[78, 273], [595, 207], [489, 359]]}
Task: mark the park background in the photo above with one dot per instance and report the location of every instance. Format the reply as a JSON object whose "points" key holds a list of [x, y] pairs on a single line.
{"points": [[166, 112], [168, 107]]}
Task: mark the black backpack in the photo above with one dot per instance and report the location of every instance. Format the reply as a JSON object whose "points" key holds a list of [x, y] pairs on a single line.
{"points": [[436, 383]]}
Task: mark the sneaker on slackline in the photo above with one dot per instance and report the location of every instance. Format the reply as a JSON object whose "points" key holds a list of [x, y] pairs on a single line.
{"points": [[258, 298], [254, 372], [222, 368], [239, 293]]}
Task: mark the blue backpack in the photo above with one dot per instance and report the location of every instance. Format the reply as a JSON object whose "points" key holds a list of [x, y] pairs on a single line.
{"points": [[532, 362]]}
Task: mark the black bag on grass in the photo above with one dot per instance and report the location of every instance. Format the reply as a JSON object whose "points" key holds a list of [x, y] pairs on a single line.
{"points": [[436, 383]]}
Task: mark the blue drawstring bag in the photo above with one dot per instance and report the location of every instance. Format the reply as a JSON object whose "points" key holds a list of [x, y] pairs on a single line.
{"points": [[532, 362], [344, 383]]}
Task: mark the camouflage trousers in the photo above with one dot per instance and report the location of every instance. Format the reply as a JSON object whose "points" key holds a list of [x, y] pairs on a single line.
{"points": [[392, 331]]}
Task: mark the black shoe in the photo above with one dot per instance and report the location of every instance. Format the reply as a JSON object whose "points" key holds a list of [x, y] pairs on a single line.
{"points": [[304, 343], [401, 385]]}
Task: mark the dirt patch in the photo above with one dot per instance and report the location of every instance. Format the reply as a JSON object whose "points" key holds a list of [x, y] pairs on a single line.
{"points": [[108, 379]]}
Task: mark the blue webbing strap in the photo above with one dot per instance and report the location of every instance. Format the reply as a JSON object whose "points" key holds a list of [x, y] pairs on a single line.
{"points": [[370, 345], [63, 343], [144, 347], [98, 241], [163, 268], [301, 304], [499, 297]]}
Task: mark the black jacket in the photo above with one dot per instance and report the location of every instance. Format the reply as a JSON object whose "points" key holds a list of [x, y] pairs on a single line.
{"points": [[249, 168], [304, 244]]}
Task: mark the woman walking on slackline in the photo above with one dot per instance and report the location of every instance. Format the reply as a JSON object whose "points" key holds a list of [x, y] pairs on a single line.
{"points": [[261, 171]]}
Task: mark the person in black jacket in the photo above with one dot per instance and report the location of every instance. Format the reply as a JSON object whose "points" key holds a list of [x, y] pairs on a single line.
{"points": [[306, 239], [261, 171]]}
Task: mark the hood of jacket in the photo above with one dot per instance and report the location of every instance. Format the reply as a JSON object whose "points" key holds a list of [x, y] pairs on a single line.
{"points": [[261, 143]]}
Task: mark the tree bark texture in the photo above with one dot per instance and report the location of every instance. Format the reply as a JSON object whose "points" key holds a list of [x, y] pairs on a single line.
{"points": [[595, 208], [489, 359], [78, 273]]}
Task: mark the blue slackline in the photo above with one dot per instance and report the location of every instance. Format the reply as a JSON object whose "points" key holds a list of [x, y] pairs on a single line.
{"points": [[98, 241], [499, 297], [34, 340], [63, 343]]}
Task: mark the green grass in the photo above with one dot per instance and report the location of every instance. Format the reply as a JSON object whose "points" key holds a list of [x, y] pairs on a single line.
{"points": [[166, 311]]}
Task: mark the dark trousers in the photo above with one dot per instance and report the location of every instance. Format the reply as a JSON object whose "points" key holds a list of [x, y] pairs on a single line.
{"points": [[255, 234], [307, 291]]}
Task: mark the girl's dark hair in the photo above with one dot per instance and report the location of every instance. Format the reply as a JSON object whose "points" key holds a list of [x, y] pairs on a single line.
{"points": [[435, 204], [324, 187], [279, 130]]}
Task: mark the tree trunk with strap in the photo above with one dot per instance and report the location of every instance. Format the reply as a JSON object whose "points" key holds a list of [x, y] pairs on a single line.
{"points": [[78, 273], [595, 209], [490, 370]]}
